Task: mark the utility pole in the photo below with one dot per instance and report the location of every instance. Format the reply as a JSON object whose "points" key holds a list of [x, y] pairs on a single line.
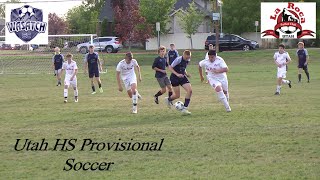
{"points": [[216, 24]]}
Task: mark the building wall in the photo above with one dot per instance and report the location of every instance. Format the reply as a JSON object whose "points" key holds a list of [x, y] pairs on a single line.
{"points": [[180, 39]]}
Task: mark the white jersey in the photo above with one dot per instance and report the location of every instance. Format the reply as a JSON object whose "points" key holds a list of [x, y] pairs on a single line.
{"points": [[127, 70], [70, 68], [281, 59], [209, 66]]}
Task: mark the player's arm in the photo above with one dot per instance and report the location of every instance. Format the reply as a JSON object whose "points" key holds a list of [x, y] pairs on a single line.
{"points": [[307, 60], [288, 60], [174, 63], [74, 74], [119, 83], [154, 66], [99, 63], [201, 64], [137, 67], [275, 61]]}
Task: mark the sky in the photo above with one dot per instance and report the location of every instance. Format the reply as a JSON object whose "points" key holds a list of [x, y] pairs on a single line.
{"points": [[60, 8]]}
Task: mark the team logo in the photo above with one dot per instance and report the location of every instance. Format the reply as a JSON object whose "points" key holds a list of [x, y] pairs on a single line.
{"points": [[26, 22], [289, 20]]}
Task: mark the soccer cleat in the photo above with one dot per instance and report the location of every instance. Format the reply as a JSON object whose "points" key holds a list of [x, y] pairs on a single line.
{"points": [[185, 111], [289, 84], [169, 103], [93, 92], [101, 90], [156, 100], [228, 109], [308, 81], [76, 100], [65, 101], [277, 93], [134, 110]]}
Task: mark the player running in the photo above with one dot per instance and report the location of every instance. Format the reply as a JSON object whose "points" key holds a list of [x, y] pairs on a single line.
{"points": [[303, 59], [179, 77], [126, 70], [57, 61], [172, 54], [281, 59], [159, 65], [216, 70], [71, 69], [92, 62]]}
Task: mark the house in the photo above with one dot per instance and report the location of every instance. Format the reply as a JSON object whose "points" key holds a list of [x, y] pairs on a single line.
{"points": [[2, 27]]}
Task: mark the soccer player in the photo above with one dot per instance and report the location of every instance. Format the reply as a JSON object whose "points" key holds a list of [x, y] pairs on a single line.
{"points": [[281, 59], [126, 70], [57, 61], [71, 69], [179, 77], [159, 65], [216, 69], [172, 54], [303, 58], [92, 62]]}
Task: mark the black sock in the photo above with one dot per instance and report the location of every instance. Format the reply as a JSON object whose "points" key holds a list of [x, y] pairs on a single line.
{"points": [[99, 84], [170, 94], [93, 88], [307, 73], [158, 94], [186, 102], [299, 77], [76, 97]]}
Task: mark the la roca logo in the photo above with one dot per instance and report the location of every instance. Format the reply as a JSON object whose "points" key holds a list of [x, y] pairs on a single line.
{"points": [[289, 22]]}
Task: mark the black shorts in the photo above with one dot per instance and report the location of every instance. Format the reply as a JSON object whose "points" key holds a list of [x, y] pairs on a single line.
{"points": [[176, 81], [93, 74], [301, 65]]}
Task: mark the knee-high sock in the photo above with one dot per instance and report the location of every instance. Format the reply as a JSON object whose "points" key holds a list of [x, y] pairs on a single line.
{"points": [[169, 94], [76, 92], [227, 96], [299, 77], [308, 75], [278, 88], [186, 102], [159, 93], [223, 99], [65, 93], [134, 99]]}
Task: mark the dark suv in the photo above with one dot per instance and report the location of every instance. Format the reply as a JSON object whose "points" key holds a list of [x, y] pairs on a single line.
{"points": [[232, 42]]}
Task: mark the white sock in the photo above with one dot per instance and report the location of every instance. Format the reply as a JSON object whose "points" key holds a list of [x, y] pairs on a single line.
{"points": [[285, 81], [134, 99], [223, 99], [278, 88], [227, 95], [76, 92], [65, 93]]}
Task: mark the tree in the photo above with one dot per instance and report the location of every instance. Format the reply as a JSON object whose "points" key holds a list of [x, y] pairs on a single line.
{"points": [[2, 8], [190, 20], [130, 25], [157, 11], [57, 25]]}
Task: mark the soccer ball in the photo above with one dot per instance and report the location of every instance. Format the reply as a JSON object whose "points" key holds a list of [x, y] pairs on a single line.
{"points": [[179, 105], [288, 29], [26, 9]]}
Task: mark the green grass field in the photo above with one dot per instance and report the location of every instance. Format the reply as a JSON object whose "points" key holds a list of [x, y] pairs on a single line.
{"points": [[264, 137]]}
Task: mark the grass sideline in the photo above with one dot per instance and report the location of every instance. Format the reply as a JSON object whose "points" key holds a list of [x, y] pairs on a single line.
{"points": [[265, 137]]}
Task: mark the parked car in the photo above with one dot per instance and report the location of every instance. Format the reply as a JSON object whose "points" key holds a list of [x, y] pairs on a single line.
{"points": [[108, 44], [232, 42]]}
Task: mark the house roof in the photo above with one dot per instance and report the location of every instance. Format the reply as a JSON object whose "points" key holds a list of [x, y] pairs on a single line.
{"points": [[107, 10]]}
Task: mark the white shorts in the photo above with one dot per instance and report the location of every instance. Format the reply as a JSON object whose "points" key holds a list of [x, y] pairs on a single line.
{"points": [[57, 71], [129, 81], [67, 82], [282, 74], [218, 82]]}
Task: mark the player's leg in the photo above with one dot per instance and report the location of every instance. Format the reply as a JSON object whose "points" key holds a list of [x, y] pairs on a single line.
{"points": [[305, 68], [279, 83], [220, 90], [168, 85], [188, 89], [98, 80], [134, 98], [225, 88], [162, 85], [91, 74], [65, 90], [284, 81], [58, 75], [75, 89], [299, 74], [175, 95]]}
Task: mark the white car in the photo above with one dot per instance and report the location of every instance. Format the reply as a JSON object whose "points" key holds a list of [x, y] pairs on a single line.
{"points": [[108, 44]]}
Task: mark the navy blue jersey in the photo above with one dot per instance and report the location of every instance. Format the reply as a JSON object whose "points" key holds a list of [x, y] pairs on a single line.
{"points": [[57, 60], [302, 55], [172, 55], [160, 63], [92, 60], [180, 65]]}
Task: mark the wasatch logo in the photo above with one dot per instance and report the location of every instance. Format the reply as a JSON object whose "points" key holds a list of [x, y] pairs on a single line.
{"points": [[289, 20], [26, 22]]}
